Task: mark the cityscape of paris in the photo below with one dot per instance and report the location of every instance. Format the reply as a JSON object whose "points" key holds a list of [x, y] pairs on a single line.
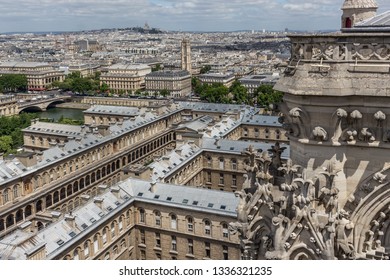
{"points": [[195, 130]]}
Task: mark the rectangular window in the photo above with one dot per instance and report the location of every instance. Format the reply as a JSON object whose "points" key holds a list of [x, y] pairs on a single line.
{"points": [[143, 255], [173, 243], [207, 249], [142, 236], [158, 240], [225, 252], [234, 180], [208, 177], [221, 179], [190, 246]]}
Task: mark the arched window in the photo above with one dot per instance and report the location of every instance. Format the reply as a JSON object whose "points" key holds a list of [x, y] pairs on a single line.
{"points": [[95, 243], [190, 224], [112, 229], [209, 161], [5, 196], [207, 227], [234, 164], [221, 163], [86, 249], [348, 23], [120, 223], [225, 230], [76, 254], [141, 215], [157, 218], [173, 221], [104, 236]]}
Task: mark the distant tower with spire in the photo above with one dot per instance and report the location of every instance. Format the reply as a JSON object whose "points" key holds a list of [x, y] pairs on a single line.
{"points": [[355, 11], [186, 63]]}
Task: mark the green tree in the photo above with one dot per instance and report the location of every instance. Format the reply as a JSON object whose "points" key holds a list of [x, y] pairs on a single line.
{"points": [[104, 87], [265, 96], [215, 93], [5, 144], [164, 92], [239, 93], [157, 67], [13, 82], [11, 127], [205, 69]]}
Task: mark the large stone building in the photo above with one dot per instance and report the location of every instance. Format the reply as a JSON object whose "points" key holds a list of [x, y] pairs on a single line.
{"points": [[126, 78], [225, 79], [332, 199], [40, 76], [51, 194], [176, 82]]}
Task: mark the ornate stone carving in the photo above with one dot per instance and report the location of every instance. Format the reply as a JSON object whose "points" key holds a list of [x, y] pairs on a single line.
{"points": [[367, 135], [299, 118], [341, 116], [371, 52], [320, 134], [287, 222], [380, 118]]}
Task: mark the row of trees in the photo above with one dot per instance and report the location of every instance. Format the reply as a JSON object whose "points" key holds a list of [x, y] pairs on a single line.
{"points": [[11, 136], [263, 96], [13, 82], [76, 83]]}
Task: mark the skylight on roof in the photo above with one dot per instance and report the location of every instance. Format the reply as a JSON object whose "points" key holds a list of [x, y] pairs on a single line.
{"points": [[210, 205], [169, 198], [185, 201]]}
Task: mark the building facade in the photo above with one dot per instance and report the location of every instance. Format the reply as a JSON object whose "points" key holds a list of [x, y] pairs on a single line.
{"points": [[40, 76], [177, 83], [225, 79], [126, 78]]}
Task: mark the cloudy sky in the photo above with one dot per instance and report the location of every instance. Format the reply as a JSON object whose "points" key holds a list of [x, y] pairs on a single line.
{"points": [[183, 15]]}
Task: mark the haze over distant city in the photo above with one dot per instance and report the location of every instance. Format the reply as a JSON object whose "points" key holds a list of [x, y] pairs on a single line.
{"points": [[186, 15]]}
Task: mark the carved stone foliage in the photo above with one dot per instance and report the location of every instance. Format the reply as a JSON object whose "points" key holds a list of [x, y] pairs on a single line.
{"points": [[298, 119], [349, 127], [298, 219], [320, 134]]}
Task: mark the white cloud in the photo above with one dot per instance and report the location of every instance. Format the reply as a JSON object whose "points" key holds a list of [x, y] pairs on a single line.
{"points": [[30, 15]]}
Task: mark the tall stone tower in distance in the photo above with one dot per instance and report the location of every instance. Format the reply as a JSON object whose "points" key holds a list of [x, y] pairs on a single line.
{"points": [[186, 63], [355, 11]]}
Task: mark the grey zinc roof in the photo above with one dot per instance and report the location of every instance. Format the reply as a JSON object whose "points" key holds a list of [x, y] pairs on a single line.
{"points": [[10, 169], [233, 146], [116, 110], [54, 128], [176, 196], [22, 64], [381, 20], [198, 124], [173, 160], [16, 245], [263, 120]]}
